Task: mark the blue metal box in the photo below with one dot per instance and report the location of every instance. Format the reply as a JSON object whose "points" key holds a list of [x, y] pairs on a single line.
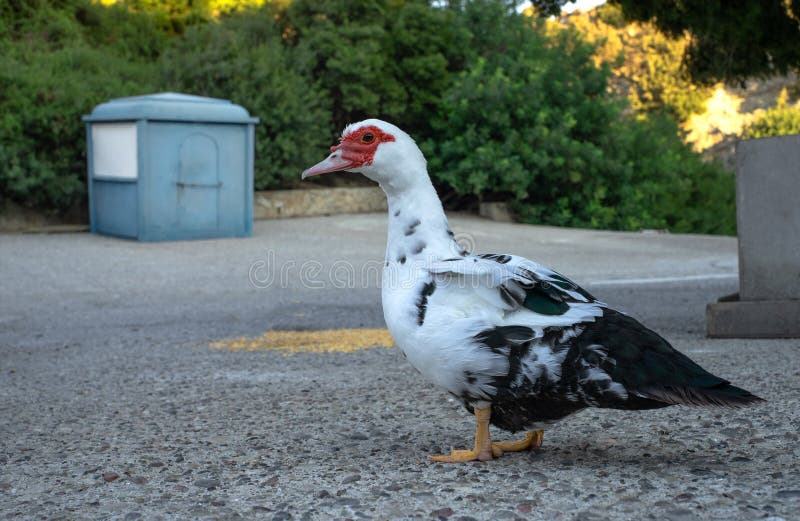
{"points": [[169, 167]]}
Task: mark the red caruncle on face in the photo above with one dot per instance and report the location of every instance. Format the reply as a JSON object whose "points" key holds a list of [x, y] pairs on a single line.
{"points": [[359, 145]]}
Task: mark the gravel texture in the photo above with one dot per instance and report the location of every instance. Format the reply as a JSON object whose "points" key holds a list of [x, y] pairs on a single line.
{"points": [[114, 406], [152, 430]]}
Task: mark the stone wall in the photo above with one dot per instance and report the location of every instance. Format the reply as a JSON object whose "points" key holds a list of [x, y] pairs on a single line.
{"points": [[279, 204]]}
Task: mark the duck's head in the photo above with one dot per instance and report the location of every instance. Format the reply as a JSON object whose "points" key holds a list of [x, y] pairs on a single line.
{"points": [[380, 151]]}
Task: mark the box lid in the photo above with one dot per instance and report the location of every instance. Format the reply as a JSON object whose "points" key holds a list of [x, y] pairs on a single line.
{"points": [[170, 106]]}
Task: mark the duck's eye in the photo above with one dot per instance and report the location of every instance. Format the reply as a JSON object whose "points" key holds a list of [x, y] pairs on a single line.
{"points": [[369, 137]]}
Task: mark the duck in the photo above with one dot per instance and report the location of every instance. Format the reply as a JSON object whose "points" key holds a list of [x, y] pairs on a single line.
{"points": [[521, 346]]}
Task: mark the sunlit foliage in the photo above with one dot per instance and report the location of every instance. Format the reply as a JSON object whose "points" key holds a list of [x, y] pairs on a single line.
{"points": [[780, 120], [731, 41], [645, 64]]}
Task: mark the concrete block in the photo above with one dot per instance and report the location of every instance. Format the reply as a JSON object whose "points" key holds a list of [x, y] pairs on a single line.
{"points": [[768, 218], [753, 319]]}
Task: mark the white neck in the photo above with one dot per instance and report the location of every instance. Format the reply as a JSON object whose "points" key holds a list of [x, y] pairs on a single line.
{"points": [[418, 229]]}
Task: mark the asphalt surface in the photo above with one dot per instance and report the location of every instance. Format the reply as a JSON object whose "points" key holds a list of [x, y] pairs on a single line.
{"points": [[114, 407]]}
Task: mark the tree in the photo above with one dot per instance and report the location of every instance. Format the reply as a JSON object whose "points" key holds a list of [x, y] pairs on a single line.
{"points": [[645, 63], [731, 40]]}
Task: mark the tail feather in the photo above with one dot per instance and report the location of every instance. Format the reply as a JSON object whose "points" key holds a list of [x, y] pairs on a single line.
{"points": [[724, 395]]}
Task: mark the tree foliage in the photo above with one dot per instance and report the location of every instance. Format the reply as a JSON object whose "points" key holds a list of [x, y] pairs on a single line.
{"points": [[504, 108], [645, 63], [730, 40]]}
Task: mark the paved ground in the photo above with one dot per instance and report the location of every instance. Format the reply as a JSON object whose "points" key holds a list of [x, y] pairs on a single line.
{"points": [[114, 407]]}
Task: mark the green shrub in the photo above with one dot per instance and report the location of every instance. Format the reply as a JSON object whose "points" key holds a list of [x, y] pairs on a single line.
{"points": [[533, 126], [665, 184], [49, 78], [116, 29], [780, 120], [171, 17], [381, 58], [244, 60], [50, 25]]}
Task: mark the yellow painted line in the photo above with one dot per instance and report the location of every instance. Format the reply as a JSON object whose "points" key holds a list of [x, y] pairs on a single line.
{"points": [[325, 341]]}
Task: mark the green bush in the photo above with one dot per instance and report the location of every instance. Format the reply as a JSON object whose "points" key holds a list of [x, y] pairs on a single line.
{"points": [[504, 108], [244, 60], [666, 185], [533, 126], [379, 58], [780, 120], [171, 17], [49, 77]]}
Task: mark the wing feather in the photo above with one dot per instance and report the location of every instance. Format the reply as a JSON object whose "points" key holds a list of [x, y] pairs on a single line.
{"points": [[518, 282]]}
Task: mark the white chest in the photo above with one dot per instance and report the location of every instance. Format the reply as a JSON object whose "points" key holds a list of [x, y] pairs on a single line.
{"points": [[439, 339], [442, 345]]}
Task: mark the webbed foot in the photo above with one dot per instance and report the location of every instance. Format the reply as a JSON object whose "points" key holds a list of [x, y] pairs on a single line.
{"points": [[462, 456], [533, 440]]}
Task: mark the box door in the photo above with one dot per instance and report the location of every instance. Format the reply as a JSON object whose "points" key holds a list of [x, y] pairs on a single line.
{"points": [[198, 184], [195, 186]]}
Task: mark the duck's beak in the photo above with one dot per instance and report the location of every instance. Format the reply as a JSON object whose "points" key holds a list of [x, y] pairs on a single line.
{"points": [[333, 163]]}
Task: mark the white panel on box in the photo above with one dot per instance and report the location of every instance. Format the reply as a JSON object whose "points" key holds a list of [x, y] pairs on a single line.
{"points": [[114, 150]]}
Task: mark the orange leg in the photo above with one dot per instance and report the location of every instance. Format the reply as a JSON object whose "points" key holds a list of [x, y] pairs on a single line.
{"points": [[483, 442]]}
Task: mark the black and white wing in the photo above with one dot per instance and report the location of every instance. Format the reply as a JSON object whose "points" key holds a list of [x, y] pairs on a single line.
{"points": [[564, 349], [522, 289]]}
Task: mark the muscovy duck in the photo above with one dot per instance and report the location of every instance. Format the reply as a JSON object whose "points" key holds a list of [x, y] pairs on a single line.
{"points": [[519, 344]]}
